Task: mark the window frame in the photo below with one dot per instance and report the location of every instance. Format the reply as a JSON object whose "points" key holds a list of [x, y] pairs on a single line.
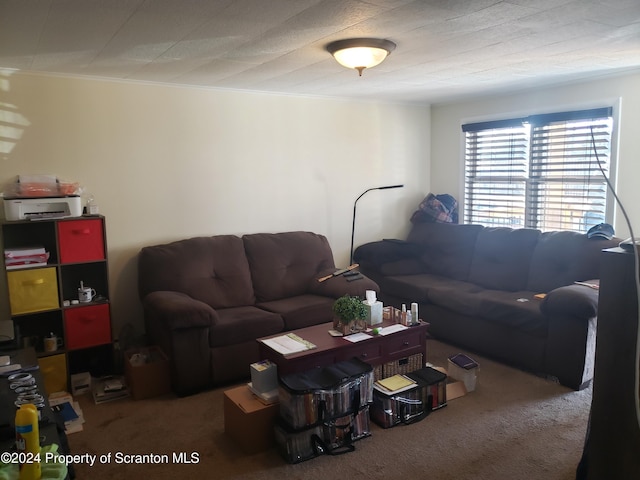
{"points": [[611, 111]]}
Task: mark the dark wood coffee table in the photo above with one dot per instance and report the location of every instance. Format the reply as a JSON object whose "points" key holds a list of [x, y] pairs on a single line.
{"points": [[378, 350]]}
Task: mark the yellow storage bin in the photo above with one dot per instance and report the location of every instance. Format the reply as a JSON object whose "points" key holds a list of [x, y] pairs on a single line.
{"points": [[54, 373], [33, 290]]}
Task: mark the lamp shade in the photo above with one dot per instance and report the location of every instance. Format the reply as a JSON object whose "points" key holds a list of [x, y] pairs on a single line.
{"points": [[360, 53]]}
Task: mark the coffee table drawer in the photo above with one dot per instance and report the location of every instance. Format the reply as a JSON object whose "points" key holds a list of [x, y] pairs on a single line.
{"points": [[366, 352], [400, 343]]}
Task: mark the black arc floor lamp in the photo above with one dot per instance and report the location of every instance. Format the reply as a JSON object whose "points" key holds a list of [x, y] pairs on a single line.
{"points": [[353, 223]]}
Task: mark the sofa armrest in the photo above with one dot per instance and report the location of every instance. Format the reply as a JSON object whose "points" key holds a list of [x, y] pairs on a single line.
{"points": [[177, 310], [571, 341], [375, 254], [572, 300], [336, 287]]}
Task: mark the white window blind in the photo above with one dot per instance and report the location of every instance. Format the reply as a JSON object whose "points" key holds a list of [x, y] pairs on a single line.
{"points": [[539, 171]]}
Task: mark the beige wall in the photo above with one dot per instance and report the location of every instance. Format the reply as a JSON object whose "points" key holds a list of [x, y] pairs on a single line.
{"points": [[447, 149], [166, 163]]}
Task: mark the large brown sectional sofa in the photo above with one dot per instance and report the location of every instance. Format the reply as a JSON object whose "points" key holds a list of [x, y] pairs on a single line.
{"points": [[207, 299], [477, 288]]}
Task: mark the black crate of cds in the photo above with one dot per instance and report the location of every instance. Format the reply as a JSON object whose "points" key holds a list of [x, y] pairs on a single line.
{"points": [[405, 399], [324, 410]]}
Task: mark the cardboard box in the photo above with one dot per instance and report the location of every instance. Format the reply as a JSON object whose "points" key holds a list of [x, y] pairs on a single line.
{"points": [[249, 421], [455, 389], [147, 372]]}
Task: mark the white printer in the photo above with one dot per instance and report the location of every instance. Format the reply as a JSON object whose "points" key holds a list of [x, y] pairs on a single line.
{"points": [[42, 208]]}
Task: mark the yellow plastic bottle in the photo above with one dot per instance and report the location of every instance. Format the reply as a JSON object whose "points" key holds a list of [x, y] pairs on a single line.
{"points": [[28, 442]]}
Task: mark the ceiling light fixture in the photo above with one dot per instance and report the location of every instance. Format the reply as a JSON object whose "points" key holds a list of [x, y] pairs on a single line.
{"points": [[360, 53]]}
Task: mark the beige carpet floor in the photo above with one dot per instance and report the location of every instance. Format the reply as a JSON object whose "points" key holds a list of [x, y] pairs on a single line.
{"points": [[513, 426]]}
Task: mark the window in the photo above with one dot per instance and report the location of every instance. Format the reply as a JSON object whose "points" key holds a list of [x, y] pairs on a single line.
{"points": [[539, 171]]}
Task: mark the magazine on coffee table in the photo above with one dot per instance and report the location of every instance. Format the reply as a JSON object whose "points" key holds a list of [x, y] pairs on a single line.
{"points": [[288, 344]]}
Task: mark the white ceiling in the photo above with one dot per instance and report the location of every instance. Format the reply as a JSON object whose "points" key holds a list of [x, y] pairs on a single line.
{"points": [[446, 49]]}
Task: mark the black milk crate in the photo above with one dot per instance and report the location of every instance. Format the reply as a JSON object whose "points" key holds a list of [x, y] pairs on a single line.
{"points": [[328, 392], [412, 404], [330, 437], [298, 445], [435, 386]]}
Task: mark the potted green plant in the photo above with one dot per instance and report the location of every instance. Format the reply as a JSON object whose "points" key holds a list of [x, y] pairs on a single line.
{"points": [[349, 314]]}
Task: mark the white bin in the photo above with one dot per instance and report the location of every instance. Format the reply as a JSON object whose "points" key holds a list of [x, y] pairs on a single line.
{"points": [[464, 369]]}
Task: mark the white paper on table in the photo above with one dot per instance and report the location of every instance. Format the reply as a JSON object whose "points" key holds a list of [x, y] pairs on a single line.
{"points": [[357, 337], [392, 329], [285, 345]]}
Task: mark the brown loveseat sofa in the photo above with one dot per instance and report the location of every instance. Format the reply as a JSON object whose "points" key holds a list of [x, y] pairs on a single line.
{"points": [[477, 288], [206, 300]]}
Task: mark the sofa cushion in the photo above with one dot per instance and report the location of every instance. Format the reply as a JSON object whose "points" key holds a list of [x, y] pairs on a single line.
{"points": [[283, 264], [502, 257], [457, 296], [302, 310], [241, 324], [520, 310], [414, 287], [213, 270], [408, 266], [446, 249], [561, 258]]}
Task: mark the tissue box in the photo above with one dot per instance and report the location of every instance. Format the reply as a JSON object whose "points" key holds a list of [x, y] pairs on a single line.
{"points": [[374, 312], [464, 369]]}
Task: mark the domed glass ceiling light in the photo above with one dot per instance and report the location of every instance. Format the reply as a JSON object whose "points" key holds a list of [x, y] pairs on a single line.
{"points": [[360, 53]]}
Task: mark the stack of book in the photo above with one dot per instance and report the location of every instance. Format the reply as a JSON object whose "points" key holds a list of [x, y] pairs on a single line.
{"points": [[26, 257], [70, 411], [395, 384], [106, 389]]}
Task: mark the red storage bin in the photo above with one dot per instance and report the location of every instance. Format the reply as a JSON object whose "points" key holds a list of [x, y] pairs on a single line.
{"points": [[81, 240], [87, 326]]}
